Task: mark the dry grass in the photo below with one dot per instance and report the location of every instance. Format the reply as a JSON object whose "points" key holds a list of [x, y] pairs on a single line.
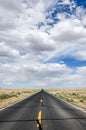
{"points": [[75, 96], [9, 96]]}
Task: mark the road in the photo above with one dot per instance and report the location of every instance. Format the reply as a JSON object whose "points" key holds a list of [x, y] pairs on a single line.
{"points": [[42, 111]]}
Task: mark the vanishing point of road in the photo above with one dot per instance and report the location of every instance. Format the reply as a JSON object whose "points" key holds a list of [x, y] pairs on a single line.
{"points": [[42, 111]]}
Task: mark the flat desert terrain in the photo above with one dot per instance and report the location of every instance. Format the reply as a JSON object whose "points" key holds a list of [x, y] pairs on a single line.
{"points": [[9, 96], [74, 96]]}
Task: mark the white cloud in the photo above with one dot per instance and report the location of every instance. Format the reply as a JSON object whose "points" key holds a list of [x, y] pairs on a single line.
{"points": [[68, 30], [41, 75], [32, 72], [40, 41], [11, 5], [6, 51], [25, 47]]}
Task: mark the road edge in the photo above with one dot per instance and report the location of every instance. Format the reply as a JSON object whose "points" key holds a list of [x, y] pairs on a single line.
{"points": [[73, 105], [4, 108]]}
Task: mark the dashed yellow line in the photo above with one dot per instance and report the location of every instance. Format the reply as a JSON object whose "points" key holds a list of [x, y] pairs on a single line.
{"points": [[39, 118], [41, 101]]}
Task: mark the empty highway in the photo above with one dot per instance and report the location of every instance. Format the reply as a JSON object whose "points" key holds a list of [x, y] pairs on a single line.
{"points": [[42, 111]]}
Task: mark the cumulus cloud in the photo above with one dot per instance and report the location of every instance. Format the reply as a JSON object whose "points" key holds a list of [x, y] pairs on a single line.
{"points": [[32, 33], [10, 5], [6, 51], [41, 75], [40, 41], [33, 72], [68, 30]]}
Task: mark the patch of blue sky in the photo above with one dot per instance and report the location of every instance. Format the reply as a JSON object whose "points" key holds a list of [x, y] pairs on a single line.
{"points": [[80, 2], [69, 61], [40, 24], [60, 9]]}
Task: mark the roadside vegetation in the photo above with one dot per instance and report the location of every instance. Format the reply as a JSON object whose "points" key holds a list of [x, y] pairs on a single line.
{"points": [[9, 96], [74, 96]]}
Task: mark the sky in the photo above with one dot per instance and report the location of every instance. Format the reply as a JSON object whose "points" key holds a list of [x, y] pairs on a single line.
{"points": [[43, 43]]}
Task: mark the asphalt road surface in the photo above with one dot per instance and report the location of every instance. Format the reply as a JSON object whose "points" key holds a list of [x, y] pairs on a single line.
{"points": [[42, 111]]}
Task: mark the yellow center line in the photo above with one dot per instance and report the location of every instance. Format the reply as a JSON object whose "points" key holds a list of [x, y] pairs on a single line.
{"points": [[41, 101], [39, 118]]}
